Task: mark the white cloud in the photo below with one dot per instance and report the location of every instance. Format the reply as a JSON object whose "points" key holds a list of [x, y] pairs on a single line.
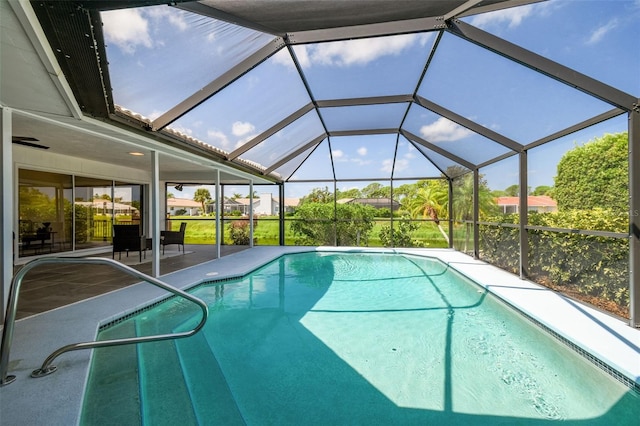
{"points": [[174, 17], [402, 164], [336, 153], [127, 29], [245, 140], [599, 33], [362, 151], [444, 130], [387, 165], [302, 53], [355, 52], [218, 139], [131, 28], [155, 114], [240, 129], [511, 16], [282, 57]]}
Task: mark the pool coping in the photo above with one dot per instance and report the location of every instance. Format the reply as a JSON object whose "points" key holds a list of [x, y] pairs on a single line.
{"points": [[57, 399]]}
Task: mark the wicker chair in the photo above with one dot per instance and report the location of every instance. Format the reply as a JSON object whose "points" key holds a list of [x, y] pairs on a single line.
{"points": [[173, 237], [127, 238]]}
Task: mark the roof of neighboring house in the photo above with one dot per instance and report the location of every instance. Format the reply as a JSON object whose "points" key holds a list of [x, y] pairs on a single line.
{"points": [[532, 201], [183, 202], [291, 201], [288, 202], [98, 204], [381, 200], [243, 201]]}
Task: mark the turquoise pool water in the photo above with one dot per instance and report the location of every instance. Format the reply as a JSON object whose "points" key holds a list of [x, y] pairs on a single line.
{"points": [[336, 339]]}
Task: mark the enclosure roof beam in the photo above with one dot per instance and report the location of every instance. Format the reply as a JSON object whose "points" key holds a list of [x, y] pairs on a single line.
{"points": [[367, 30], [294, 154], [374, 100], [471, 125], [461, 9], [270, 132], [364, 132], [577, 127], [437, 149]]}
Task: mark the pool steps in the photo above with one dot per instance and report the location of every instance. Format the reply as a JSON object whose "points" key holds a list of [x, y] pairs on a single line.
{"points": [[115, 383], [183, 397], [164, 395]]}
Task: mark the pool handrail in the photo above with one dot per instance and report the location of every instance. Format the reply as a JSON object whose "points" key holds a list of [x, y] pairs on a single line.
{"points": [[47, 368]]}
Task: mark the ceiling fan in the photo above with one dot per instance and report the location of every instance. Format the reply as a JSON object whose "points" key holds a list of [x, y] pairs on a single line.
{"points": [[27, 141]]}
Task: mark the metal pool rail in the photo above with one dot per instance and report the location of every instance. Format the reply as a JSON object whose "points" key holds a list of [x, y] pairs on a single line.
{"points": [[47, 368]]}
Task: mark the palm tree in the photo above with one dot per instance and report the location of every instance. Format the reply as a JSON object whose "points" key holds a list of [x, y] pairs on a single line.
{"points": [[203, 196], [463, 201], [428, 201]]}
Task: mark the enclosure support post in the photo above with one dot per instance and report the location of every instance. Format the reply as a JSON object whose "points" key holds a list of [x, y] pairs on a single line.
{"points": [[7, 211], [476, 213], [219, 205], [155, 214], [450, 185], [250, 213], [524, 215], [282, 212], [634, 215], [335, 213]]}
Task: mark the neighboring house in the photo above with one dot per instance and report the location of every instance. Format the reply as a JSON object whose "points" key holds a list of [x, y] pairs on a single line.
{"points": [[237, 204], [378, 203], [536, 203], [174, 205], [264, 205], [108, 207]]}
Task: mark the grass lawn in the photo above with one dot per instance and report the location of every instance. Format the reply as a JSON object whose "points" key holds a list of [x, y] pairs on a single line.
{"points": [[202, 230]]}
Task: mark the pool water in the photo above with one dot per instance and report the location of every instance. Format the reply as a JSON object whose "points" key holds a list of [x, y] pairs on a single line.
{"points": [[324, 338]]}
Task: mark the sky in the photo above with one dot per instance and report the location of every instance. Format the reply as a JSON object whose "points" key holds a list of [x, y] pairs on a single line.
{"points": [[160, 55]]}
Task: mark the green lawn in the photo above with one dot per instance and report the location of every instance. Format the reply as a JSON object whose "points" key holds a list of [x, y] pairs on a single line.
{"points": [[266, 231]]}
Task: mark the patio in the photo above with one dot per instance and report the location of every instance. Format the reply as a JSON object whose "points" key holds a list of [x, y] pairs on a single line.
{"points": [[50, 287]]}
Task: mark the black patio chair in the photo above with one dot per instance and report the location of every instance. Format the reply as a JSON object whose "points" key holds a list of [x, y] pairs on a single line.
{"points": [[173, 237], [128, 238]]}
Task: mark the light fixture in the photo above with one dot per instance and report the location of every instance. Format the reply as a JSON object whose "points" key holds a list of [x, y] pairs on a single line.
{"points": [[138, 154], [178, 187]]}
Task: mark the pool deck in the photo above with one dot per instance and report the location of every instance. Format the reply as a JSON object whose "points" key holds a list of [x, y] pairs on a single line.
{"points": [[57, 398]]}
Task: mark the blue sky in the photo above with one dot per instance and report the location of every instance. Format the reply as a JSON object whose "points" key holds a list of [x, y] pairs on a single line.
{"points": [[160, 55]]}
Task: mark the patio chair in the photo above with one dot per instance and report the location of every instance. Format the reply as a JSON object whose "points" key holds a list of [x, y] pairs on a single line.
{"points": [[128, 238], [173, 237]]}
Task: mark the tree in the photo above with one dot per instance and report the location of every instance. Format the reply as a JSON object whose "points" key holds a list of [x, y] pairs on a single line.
{"points": [[430, 201], [316, 224], [170, 195], [512, 191], [376, 190], [349, 193], [203, 196], [543, 190], [595, 175], [318, 195]]}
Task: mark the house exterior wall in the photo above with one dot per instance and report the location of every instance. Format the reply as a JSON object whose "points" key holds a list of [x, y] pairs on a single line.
{"points": [[29, 158]]}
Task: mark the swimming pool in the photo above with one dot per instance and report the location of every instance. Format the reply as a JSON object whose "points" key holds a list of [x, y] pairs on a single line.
{"points": [[325, 338]]}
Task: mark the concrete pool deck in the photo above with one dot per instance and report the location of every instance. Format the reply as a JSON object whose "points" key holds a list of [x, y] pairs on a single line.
{"points": [[57, 398]]}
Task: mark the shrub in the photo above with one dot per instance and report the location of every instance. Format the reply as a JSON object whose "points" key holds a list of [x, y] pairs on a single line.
{"points": [[593, 266]]}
